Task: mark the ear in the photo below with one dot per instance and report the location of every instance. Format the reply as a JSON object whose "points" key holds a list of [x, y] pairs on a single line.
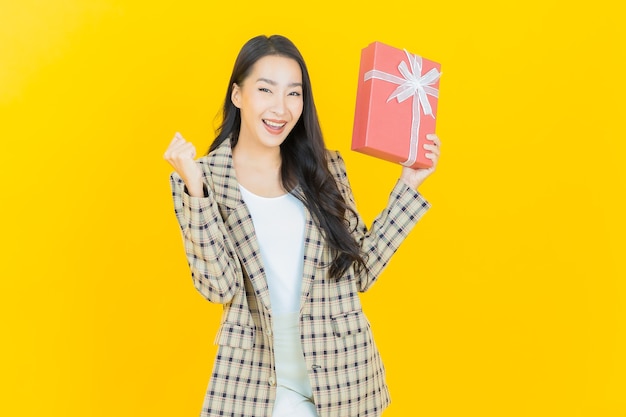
{"points": [[235, 96]]}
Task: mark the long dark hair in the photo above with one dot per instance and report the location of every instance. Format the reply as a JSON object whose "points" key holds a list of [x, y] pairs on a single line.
{"points": [[303, 154]]}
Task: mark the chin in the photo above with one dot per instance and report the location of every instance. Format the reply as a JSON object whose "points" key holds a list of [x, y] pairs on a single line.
{"points": [[274, 140]]}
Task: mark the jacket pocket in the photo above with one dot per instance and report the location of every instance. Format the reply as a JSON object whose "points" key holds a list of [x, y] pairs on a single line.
{"points": [[346, 324], [235, 335]]}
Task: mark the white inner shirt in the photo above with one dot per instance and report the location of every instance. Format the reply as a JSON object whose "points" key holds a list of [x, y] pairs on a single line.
{"points": [[279, 226]]}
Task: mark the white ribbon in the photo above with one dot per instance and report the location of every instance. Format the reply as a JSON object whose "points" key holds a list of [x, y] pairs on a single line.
{"points": [[412, 85]]}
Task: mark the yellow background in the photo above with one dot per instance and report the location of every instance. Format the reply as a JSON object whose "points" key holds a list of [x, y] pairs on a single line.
{"points": [[507, 300]]}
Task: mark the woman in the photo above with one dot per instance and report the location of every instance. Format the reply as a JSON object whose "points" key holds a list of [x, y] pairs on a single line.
{"points": [[271, 232]]}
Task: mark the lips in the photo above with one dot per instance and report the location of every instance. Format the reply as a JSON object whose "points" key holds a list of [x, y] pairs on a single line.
{"points": [[274, 126]]}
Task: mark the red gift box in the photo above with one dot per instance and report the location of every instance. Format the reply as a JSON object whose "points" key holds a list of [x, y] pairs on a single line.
{"points": [[396, 105]]}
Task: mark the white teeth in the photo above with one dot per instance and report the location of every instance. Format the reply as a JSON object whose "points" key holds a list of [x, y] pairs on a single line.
{"points": [[273, 124]]}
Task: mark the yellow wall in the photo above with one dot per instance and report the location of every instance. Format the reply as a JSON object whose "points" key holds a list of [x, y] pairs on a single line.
{"points": [[515, 279]]}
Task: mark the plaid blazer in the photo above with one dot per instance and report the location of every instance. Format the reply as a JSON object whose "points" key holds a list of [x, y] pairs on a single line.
{"points": [[345, 369]]}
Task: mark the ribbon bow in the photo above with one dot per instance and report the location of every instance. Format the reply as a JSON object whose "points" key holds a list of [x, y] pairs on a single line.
{"points": [[416, 85]]}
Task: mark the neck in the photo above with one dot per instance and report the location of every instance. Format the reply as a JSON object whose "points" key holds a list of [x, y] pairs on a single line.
{"points": [[257, 157]]}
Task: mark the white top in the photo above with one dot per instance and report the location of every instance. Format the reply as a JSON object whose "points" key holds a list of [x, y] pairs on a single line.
{"points": [[279, 227]]}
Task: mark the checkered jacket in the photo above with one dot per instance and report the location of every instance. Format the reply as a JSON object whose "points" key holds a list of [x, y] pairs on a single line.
{"points": [[345, 369]]}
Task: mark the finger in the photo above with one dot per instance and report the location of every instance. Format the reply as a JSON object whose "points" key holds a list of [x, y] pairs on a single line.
{"points": [[177, 138], [187, 150], [433, 157], [176, 141], [432, 148], [433, 137], [179, 149]]}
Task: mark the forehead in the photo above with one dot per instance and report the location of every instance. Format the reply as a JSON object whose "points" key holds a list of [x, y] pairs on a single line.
{"points": [[279, 69]]}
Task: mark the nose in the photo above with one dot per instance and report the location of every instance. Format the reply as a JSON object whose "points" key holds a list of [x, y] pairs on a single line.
{"points": [[279, 105]]}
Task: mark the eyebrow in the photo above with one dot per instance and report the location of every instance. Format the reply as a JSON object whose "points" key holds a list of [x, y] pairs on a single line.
{"points": [[272, 82]]}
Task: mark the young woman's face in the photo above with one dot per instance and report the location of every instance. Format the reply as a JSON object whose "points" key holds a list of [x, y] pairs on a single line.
{"points": [[270, 100]]}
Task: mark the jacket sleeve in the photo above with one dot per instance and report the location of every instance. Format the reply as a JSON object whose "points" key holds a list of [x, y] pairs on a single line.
{"points": [[215, 268], [378, 243]]}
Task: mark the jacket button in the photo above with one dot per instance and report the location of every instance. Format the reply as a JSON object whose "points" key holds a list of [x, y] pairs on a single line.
{"points": [[268, 332], [272, 381]]}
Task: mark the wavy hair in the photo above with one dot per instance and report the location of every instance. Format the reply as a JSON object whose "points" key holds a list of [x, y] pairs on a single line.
{"points": [[303, 154]]}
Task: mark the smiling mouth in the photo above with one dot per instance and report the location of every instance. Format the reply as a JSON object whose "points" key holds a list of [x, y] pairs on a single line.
{"points": [[274, 125]]}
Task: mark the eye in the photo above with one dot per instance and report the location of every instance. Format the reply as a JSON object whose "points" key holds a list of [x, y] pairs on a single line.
{"points": [[295, 93], [264, 90]]}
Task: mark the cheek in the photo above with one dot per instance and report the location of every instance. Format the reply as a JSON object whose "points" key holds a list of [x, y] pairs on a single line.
{"points": [[296, 110], [252, 107]]}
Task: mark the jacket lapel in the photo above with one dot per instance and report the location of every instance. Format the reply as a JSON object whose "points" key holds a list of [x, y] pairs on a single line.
{"points": [[313, 244], [237, 218]]}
